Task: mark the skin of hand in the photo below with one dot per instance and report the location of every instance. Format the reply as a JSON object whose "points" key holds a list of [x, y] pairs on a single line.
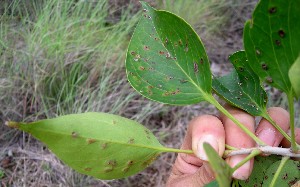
{"points": [[192, 170]]}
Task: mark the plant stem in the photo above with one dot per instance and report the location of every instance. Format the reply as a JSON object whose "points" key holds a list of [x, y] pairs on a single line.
{"points": [[275, 177], [253, 153], [269, 119], [292, 121], [265, 150], [167, 149], [213, 101]]}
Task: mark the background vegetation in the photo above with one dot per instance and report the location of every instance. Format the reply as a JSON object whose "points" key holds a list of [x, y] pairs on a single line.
{"points": [[61, 57]]}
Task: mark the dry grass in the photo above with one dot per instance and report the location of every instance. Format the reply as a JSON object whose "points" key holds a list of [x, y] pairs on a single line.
{"points": [[58, 64]]}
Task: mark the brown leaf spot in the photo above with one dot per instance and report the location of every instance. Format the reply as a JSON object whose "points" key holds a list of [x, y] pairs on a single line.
{"points": [[281, 33], [196, 67], [285, 176], [272, 10], [264, 67], [269, 80], [161, 52], [87, 169], [131, 141], [112, 163], [142, 68], [201, 61], [278, 42], [132, 52], [90, 140], [130, 163], [104, 145], [74, 135], [125, 169], [146, 48]]}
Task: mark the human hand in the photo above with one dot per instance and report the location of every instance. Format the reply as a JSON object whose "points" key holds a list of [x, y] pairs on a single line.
{"points": [[193, 170]]}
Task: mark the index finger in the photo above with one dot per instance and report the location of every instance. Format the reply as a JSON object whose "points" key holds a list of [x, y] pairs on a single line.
{"points": [[236, 137]]}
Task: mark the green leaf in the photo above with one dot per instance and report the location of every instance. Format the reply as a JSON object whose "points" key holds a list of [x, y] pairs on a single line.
{"points": [[102, 145], [242, 87], [166, 60], [258, 175], [294, 75], [288, 175], [221, 169], [212, 184], [271, 41]]}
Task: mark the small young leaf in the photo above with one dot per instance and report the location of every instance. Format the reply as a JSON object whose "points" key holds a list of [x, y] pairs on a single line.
{"points": [[102, 145], [294, 75], [166, 60], [221, 169], [271, 41], [288, 176], [242, 87]]}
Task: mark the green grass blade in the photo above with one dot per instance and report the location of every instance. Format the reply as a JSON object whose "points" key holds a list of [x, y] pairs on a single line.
{"points": [[166, 60]]}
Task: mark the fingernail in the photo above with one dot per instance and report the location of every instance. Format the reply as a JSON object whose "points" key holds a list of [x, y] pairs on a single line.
{"points": [[207, 139], [267, 136], [242, 172]]}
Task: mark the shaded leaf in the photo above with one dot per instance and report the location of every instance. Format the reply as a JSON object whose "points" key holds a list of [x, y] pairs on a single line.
{"points": [[271, 41], [258, 175], [102, 145], [288, 176], [294, 75], [166, 60], [242, 87], [212, 184], [221, 169]]}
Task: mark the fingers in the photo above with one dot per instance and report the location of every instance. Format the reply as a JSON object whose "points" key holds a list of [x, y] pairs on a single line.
{"points": [[237, 138], [189, 168], [286, 143], [267, 132]]}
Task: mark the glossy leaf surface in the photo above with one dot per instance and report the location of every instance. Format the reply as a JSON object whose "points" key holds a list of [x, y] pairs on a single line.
{"points": [[271, 41], [221, 169], [102, 145], [294, 75], [242, 87], [166, 60]]}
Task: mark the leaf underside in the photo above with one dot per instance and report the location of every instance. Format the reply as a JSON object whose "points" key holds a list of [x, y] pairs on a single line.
{"points": [[265, 168], [102, 145], [166, 60], [294, 75], [271, 41], [221, 169], [242, 87]]}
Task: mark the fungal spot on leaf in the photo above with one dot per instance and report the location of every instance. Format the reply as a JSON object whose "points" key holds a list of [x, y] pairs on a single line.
{"points": [[166, 41], [142, 68], [112, 163], [106, 170], [201, 61], [130, 163], [269, 80], [87, 169], [196, 67], [186, 49], [131, 141], [156, 38], [168, 55], [104, 146], [277, 42], [240, 83], [272, 10], [285, 176], [132, 52], [145, 10], [74, 135], [125, 169], [257, 52], [90, 140], [160, 86], [264, 67], [180, 42], [183, 81], [166, 93], [150, 87], [241, 69], [146, 48], [161, 52], [281, 33], [149, 17]]}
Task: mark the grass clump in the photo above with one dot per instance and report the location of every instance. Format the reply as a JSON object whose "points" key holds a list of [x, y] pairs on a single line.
{"points": [[61, 57]]}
